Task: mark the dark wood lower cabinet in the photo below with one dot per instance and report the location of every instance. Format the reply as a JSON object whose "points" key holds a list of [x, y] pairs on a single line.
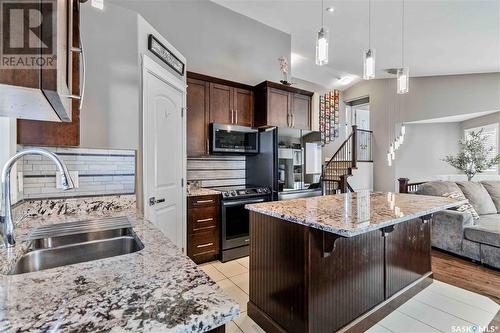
{"points": [[306, 280], [408, 255], [203, 236]]}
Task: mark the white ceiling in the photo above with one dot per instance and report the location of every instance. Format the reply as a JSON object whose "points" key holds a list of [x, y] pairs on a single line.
{"points": [[443, 37], [454, 119]]}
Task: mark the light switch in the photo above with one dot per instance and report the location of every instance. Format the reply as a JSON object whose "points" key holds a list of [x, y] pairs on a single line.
{"points": [[74, 177]]}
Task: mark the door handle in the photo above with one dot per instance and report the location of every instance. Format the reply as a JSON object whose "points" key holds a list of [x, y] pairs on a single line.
{"points": [[153, 201], [288, 120], [232, 116], [293, 120], [236, 116]]}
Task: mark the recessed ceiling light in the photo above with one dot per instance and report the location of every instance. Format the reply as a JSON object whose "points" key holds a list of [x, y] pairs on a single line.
{"points": [[330, 9], [346, 79]]}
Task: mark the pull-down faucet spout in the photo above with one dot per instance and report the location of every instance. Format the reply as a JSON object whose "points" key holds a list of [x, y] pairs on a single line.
{"points": [[6, 223]]}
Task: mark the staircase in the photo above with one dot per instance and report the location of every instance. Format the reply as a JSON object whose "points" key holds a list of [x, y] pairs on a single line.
{"points": [[356, 148]]}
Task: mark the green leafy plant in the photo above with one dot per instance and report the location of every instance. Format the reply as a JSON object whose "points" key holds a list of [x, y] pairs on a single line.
{"points": [[473, 157]]}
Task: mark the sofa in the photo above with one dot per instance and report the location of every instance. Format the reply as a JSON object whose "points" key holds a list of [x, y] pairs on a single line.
{"points": [[463, 232]]}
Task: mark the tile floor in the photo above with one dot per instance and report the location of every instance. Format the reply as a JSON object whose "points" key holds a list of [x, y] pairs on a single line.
{"points": [[439, 308]]}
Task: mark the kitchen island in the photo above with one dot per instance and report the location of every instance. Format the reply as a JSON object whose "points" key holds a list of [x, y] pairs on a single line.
{"points": [[320, 264]]}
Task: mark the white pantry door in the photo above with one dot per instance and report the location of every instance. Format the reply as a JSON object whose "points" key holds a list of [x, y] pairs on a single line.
{"points": [[163, 103]]}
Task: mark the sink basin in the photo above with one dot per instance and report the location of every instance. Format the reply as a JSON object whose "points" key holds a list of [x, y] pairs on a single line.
{"points": [[57, 246]]}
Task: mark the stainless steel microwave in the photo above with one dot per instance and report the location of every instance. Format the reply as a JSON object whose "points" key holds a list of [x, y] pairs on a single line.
{"points": [[233, 139]]}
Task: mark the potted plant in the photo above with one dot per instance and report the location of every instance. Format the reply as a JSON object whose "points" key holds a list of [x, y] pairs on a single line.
{"points": [[474, 154]]}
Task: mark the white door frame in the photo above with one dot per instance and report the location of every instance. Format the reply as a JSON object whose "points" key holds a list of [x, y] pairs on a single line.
{"points": [[152, 67]]}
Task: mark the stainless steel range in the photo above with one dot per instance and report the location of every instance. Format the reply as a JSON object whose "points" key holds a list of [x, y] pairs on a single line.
{"points": [[235, 218]]}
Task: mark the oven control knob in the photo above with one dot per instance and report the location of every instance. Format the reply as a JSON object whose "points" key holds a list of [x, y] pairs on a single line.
{"points": [[233, 193], [259, 190], [225, 194]]}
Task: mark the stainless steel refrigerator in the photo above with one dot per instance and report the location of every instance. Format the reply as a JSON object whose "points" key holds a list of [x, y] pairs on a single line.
{"points": [[289, 163]]}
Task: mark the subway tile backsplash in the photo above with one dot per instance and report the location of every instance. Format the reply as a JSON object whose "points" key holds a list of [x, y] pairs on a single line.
{"points": [[100, 172], [217, 171]]}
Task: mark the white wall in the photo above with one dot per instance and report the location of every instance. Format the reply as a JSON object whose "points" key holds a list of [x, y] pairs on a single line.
{"points": [[362, 177], [8, 139], [424, 147], [429, 97], [110, 114], [217, 41]]}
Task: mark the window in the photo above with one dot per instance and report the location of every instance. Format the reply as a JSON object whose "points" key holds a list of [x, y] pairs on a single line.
{"points": [[490, 132]]}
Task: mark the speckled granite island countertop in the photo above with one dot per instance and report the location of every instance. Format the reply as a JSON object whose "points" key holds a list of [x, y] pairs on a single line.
{"points": [[352, 214], [157, 289]]}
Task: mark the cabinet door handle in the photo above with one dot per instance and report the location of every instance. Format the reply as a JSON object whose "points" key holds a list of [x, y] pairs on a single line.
{"points": [[205, 220], [288, 120], [236, 116], [232, 116], [293, 120], [208, 146], [204, 245], [204, 201], [81, 51]]}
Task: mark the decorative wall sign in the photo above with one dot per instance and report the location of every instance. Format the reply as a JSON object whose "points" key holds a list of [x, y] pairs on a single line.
{"points": [[161, 51], [329, 112]]}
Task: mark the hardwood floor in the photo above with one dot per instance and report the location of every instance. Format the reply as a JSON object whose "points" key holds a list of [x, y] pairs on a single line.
{"points": [[467, 275]]}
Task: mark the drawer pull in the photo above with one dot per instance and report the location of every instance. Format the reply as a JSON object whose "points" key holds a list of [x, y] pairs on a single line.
{"points": [[205, 220], [204, 245], [204, 201], [204, 228]]}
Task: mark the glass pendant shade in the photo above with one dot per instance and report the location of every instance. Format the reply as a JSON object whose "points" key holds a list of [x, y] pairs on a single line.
{"points": [[389, 159], [403, 80], [322, 47], [403, 130], [369, 64]]}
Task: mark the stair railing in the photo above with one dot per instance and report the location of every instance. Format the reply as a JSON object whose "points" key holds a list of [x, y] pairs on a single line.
{"points": [[339, 167]]}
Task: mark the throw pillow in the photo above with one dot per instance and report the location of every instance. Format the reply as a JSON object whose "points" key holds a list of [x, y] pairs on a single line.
{"points": [[478, 197], [493, 188], [466, 207]]}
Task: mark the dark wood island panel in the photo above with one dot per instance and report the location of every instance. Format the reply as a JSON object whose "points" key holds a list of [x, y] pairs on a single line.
{"points": [[307, 280]]}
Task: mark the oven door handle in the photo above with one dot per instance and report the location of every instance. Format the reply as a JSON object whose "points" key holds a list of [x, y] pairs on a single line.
{"points": [[241, 202]]}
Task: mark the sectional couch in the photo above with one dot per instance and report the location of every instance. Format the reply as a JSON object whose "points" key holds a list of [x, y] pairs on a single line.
{"points": [[478, 237]]}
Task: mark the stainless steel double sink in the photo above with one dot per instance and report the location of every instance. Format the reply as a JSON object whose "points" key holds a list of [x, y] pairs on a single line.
{"points": [[75, 242]]}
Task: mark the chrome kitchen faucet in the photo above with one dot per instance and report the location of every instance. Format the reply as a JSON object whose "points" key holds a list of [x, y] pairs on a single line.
{"points": [[6, 223]]}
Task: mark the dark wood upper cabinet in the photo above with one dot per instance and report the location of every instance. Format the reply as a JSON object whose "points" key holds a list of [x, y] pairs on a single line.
{"points": [[282, 106], [197, 117], [301, 111], [243, 106], [279, 108], [221, 104], [42, 91], [213, 100], [57, 133]]}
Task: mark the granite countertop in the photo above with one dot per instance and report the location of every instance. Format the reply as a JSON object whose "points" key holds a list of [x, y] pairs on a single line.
{"points": [[199, 191], [352, 214], [155, 289]]}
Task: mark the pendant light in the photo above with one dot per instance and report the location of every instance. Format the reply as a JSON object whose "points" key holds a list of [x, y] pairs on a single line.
{"points": [[369, 55], [322, 42], [403, 73]]}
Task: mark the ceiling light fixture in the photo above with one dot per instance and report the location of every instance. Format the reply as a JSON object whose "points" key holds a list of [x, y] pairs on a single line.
{"points": [[99, 4], [403, 73], [346, 79], [369, 55], [322, 42]]}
